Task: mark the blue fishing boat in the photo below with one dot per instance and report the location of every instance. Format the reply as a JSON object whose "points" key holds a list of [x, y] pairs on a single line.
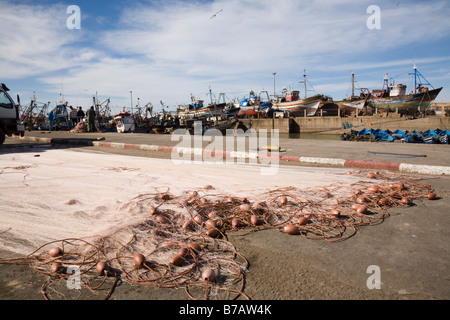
{"points": [[59, 116], [254, 104]]}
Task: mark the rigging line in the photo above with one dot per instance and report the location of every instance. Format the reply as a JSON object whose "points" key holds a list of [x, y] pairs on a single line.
{"points": [[311, 87], [398, 75]]}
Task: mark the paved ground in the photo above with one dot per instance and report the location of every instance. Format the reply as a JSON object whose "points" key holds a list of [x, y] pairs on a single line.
{"points": [[411, 247], [325, 147]]}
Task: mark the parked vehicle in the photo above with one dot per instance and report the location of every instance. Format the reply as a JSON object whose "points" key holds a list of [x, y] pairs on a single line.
{"points": [[9, 115]]}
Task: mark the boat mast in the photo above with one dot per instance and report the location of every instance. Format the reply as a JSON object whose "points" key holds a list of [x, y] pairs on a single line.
{"points": [[304, 80], [386, 82], [210, 94], [417, 74], [353, 84], [415, 78]]}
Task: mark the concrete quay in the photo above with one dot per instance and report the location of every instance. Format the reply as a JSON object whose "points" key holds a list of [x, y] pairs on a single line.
{"points": [[338, 125]]}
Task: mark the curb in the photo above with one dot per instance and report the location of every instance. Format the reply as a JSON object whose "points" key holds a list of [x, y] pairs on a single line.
{"points": [[402, 167]]}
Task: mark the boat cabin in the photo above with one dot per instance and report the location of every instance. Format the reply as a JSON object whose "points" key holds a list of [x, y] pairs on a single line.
{"points": [[197, 103], [293, 95], [397, 90]]}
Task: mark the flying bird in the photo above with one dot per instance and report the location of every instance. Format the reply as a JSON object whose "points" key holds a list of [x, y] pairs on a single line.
{"points": [[215, 14]]}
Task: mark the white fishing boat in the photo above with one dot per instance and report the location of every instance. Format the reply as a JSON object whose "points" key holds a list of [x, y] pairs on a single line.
{"points": [[354, 103], [124, 122], [293, 104]]}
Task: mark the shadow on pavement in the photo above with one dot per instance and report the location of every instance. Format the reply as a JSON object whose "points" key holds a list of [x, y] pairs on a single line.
{"points": [[12, 146]]}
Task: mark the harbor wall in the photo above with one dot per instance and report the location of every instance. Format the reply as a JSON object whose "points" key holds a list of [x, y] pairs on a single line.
{"points": [[338, 125]]}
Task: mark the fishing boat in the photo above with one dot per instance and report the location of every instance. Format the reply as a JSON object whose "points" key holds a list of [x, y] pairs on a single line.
{"points": [[59, 116], [215, 108], [255, 104], [231, 110], [292, 103], [197, 108], [124, 122], [34, 116], [191, 110], [393, 97], [354, 103]]}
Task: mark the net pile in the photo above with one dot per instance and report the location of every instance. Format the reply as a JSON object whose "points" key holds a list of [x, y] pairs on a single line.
{"points": [[183, 240], [79, 128]]}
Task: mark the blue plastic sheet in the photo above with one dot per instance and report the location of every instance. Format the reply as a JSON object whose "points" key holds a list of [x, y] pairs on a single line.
{"points": [[437, 136]]}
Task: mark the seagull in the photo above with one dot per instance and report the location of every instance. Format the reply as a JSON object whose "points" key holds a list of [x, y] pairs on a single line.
{"points": [[215, 14]]}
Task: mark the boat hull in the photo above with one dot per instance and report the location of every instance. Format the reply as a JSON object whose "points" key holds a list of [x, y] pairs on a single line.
{"points": [[353, 105], [298, 107], [254, 110], [202, 112], [247, 111], [409, 104]]}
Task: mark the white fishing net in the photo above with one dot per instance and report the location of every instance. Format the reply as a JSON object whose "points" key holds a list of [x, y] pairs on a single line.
{"points": [[106, 208]]}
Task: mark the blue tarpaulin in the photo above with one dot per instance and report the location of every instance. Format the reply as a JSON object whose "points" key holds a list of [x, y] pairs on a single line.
{"points": [[429, 136]]}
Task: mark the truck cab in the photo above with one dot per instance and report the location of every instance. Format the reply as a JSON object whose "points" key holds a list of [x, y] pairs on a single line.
{"points": [[9, 116]]}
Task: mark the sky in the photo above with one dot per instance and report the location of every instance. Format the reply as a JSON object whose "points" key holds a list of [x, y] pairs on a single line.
{"points": [[162, 52]]}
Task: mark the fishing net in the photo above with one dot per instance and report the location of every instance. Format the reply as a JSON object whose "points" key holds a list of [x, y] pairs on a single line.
{"points": [[182, 236], [79, 128]]}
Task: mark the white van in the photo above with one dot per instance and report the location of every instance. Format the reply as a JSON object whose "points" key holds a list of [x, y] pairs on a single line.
{"points": [[9, 116]]}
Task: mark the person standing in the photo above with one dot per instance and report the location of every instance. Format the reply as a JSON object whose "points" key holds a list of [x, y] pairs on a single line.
{"points": [[91, 120], [80, 114], [73, 116]]}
